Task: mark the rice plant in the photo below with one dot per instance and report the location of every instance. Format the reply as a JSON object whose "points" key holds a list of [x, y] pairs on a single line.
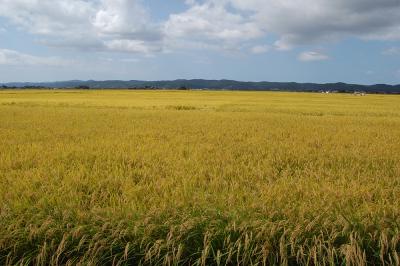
{"points": [[198, 178]]}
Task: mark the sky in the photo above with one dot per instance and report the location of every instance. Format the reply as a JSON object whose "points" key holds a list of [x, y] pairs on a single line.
{"points": [[354, 41]]}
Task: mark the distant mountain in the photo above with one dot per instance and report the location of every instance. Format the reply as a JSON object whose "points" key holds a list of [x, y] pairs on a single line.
{"points": [[208, 85]]}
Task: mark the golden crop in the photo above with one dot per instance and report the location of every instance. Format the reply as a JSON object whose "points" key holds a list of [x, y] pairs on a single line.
{"points": [[198, 178]]}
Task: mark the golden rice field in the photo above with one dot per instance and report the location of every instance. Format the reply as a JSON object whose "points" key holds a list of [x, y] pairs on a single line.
{"points": [[198, 178]]}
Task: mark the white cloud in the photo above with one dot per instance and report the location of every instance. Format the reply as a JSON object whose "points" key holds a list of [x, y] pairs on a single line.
{"points": [[131, 46], [309, 21], [260, 49], [295, 22], [369, 72], [210, 23], [49, 17], [127, 25], [15, 58], [125, 19], [309, 56], [190, 2], [392, 51], [98, 24]]}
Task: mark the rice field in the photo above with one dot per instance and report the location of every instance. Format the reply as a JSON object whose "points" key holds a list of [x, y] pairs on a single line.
{"points": [[198, 178]]}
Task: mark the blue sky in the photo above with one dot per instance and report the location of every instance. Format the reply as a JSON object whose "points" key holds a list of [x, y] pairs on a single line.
{"points": [[355, 41]]}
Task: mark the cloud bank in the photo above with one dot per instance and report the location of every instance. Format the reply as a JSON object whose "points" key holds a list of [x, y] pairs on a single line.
{"points": [[129, 25], [310, 56], [15, 58]]}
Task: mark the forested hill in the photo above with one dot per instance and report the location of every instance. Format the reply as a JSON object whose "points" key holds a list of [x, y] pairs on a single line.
{"points": [[209, 84]]}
